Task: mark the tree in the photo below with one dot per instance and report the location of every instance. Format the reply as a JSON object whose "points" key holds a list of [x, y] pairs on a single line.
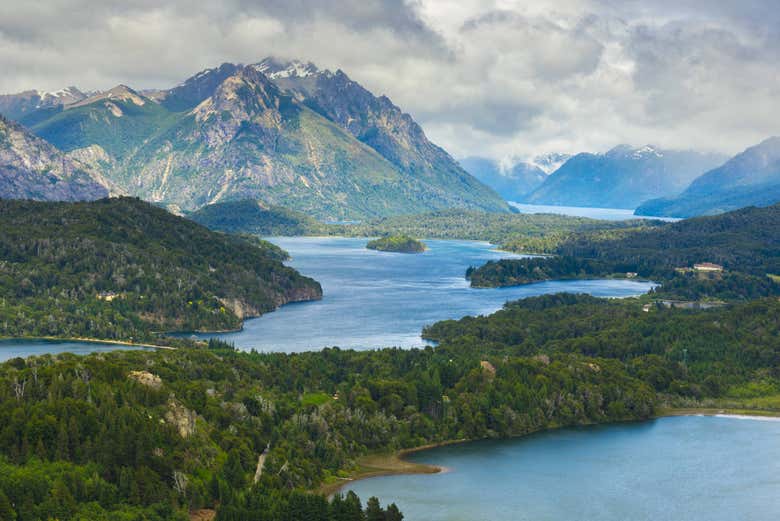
{"points": [[7, 512], [374, 511]]}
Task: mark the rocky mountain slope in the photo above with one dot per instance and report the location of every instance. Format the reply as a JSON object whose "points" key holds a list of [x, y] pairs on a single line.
{"points": [[307, 139], [751, 178], [623, 177], [30, 168]]}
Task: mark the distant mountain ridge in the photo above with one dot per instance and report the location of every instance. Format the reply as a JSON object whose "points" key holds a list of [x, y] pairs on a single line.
{"points": [[512, 183], [283, 132], [751, 178], [31, 168], [623, 177]]}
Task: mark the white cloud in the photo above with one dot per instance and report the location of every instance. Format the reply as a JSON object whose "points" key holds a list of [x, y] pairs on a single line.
{"points": [[499, 78]]}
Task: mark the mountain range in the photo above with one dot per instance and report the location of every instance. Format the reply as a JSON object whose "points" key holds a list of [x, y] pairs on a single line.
{"points": [[283, 132], [623, 177], [751, 178], [514, 182], [31, 168]]}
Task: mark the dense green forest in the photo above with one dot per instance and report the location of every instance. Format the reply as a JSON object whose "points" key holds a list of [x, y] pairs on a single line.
{"points": [[250, 216], [397, 244], [122, 268], [745, 242], [715, 353], [125, 435]]}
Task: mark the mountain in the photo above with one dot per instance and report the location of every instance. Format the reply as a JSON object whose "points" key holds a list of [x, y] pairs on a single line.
{"points": [[511, 183], [550, 162], [381, 125], [751, 178], [17, 106], [30, 168], [624, 177], [297, 137]]}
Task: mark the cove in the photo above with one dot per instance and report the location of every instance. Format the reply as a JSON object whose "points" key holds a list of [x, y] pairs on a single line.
{"points": [[690, 468], [377, 299]]}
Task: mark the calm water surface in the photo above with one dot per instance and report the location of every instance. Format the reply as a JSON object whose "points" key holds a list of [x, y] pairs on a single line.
{"points": [[24, 348], [608, 214], [379, 299], [681, 469]]}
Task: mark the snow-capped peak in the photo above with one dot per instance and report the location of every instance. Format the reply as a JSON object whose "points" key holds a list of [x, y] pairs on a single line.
{"points": [[550, 162], [646, 151], [275, 69]]}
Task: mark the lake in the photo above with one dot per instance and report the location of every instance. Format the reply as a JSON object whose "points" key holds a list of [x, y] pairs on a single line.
{"points": [[378, 299], [24, 348], [688, 468], [607, 214]]}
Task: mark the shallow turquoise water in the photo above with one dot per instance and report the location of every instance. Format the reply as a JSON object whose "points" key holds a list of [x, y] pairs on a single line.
{"points": [[379, 299], [681, 468]]}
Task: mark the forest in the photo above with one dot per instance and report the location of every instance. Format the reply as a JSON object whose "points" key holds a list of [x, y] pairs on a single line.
{"points": [[746, 243], [123, 269], [397, 244], [152, 435]]}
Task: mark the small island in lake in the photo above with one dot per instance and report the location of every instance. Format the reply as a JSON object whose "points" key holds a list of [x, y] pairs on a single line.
{"points": [[397, 244]]}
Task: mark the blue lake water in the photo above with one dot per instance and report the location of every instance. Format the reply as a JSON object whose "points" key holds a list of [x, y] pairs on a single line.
{"points": [[378, 299], [607, 214], [24, 348], [683, 469]]}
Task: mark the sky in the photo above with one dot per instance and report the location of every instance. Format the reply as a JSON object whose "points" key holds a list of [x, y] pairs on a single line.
{"points": [[502, 78]]}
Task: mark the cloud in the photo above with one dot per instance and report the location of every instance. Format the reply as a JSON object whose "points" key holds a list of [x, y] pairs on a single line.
{"points": [[499, 78]]}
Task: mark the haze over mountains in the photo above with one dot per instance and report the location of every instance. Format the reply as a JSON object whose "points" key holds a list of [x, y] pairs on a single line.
{"points": [[751, 178], [286, 133], [623, 177]]}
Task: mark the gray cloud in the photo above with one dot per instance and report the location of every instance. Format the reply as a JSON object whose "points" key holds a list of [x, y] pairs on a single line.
{"points": [[493, 78]]}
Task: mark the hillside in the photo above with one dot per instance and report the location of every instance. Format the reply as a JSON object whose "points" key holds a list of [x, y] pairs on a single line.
{"points": [[513, 183], [249, 216], [233, 133], [122, 268], [745, 242], [751, 178], [623, 177], [31, 168]]}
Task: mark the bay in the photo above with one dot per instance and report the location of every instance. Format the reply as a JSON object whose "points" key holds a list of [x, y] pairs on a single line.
{"points": [[688, 468]]}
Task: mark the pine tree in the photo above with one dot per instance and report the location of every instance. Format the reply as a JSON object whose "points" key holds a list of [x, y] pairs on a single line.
{"points": [[7, 512]]}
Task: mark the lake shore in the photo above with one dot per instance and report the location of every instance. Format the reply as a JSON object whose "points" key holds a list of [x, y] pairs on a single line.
{"points": [[87, 341], [393, 464]]}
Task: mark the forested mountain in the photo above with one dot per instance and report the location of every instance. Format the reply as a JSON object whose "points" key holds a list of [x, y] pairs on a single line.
{"points": [[751, 178], [31, 168], [623, 177], [122, 268], [332, 150], [512, 183]]}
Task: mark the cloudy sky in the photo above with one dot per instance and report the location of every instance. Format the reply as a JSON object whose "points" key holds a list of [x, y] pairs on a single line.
{"points": [[494, 78]]}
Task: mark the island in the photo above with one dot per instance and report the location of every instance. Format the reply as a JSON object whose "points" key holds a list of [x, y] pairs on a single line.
{"points": [[397, 244]]}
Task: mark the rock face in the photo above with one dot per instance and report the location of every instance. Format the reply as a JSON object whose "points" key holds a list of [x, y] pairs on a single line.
{"points": [[624, 177], [751, 178], [30, 168], [289, 135]]}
